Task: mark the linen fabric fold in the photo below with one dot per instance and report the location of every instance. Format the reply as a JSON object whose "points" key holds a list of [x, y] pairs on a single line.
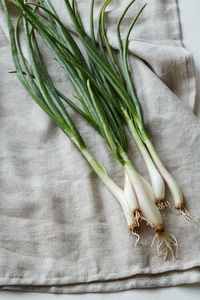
{"points": [[60, 228]]}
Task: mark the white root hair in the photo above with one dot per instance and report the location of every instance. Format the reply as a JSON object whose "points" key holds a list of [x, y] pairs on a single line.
{"points": [[133, 228], [137, 237], [167, 245], [188, 217], [163, 204]]}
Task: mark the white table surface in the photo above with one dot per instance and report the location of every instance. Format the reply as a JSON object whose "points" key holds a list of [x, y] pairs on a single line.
{"points": [[190, 14]]}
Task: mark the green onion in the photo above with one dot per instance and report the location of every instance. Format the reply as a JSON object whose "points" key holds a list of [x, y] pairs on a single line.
{"points": [[106, 95]]}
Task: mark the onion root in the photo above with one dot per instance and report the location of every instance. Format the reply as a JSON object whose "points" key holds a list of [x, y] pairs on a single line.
{"points": [[161, 204], [187, 216], [167, 245]]}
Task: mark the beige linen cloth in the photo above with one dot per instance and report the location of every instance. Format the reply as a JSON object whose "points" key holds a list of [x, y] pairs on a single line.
{"points": [[60, 228]]}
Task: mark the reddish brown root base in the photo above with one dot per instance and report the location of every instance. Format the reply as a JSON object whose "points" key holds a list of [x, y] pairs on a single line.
{"points": [[162, 203], [159, 228], [133, 228], [187, 216], [167, 245], [181, 207], [137, 217]]}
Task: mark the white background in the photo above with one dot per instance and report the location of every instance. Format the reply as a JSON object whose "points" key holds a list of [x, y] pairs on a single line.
{"points": [[190, 24]]}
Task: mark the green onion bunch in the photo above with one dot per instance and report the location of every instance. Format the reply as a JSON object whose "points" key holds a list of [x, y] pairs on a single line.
{"points": [[108, 101]]}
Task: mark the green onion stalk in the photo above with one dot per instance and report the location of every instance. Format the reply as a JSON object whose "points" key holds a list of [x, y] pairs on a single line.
{"points": [[100, 113]]}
